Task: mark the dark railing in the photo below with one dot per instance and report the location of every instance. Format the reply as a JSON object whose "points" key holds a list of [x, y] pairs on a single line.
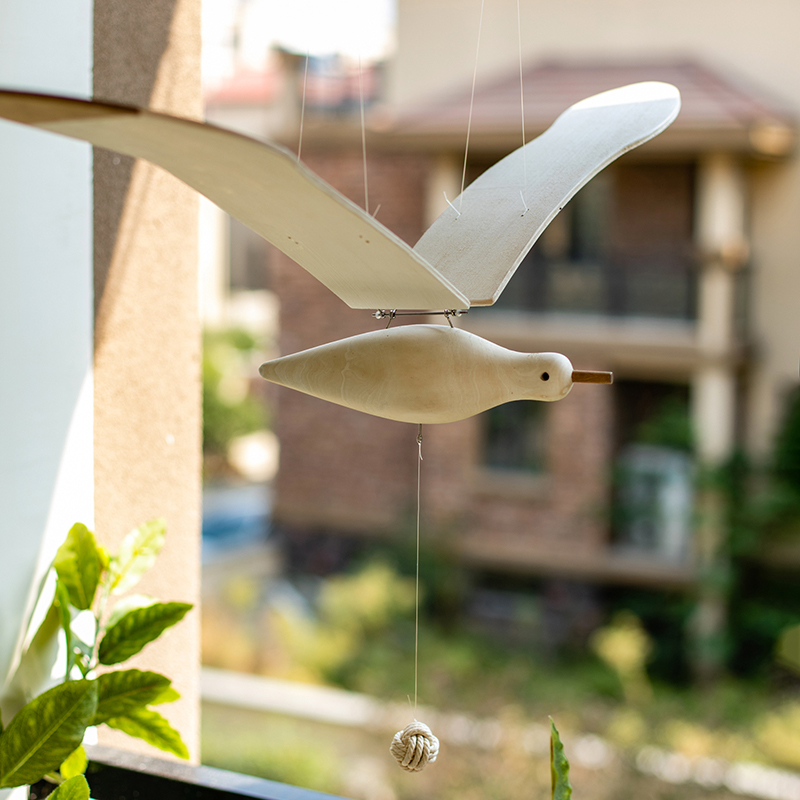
{"points": [[119, 775], [623, 288]]}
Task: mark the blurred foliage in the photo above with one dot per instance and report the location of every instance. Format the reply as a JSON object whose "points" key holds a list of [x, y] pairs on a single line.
{"points": [[355, 762], [625, 646], [778, 736], [229, 409], [351, 609], [670, 426], [664, 615], [367, 601], [762, 510], [243, 741], [788, 648], [358, 634], [445, 581], [786, 467]]}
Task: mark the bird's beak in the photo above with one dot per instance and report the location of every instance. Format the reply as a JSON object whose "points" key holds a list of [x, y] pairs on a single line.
{"points": [[592, 376]]}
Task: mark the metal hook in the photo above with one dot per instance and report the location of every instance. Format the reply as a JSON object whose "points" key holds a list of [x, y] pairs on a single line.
{"points": [[451, 312]]}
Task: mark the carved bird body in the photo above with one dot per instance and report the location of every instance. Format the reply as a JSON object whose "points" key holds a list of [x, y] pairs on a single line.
{"points": [[421, 373]]}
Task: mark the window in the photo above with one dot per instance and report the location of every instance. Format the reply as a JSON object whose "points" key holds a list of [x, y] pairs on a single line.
{"points": [[654, 501], [515, 437], [622, 246], [654, 474]]}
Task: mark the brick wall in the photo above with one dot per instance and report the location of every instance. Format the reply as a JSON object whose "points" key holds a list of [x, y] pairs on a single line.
{"points": [[502, 518]]}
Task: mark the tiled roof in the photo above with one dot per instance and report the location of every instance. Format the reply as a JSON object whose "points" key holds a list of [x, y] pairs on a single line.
{"points": [[247, 88], [711, 102]]}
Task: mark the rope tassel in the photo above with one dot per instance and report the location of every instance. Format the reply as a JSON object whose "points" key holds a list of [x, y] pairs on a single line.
{"points": [[415, 747]]}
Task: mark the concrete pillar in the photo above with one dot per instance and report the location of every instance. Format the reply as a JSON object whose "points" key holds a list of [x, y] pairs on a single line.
{"points": [[147, 334], [720, 237]]}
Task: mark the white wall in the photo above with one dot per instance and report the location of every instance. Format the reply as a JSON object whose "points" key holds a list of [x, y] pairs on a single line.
{"points": [[46, 463]]}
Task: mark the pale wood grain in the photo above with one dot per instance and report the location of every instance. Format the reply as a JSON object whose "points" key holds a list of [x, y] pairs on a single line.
{"points": [[464, 258], [481, 249], [262, 185], [592, 376], [421, 374]]}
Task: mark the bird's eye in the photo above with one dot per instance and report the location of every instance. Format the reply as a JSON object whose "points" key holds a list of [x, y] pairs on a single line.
{"points": [[545, 376]]}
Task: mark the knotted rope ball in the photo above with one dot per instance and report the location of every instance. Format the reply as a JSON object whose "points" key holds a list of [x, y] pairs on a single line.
{"points": [[415, 746]]}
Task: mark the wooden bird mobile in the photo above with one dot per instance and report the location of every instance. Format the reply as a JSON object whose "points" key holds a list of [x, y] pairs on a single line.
{"points": [[419, 373]]}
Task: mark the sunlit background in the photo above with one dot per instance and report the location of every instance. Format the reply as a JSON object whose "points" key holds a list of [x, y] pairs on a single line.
{"points": [[625, 561]]}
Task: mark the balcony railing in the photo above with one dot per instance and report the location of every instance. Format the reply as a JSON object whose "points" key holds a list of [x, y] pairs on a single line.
{"points": [[635, 288], [119, 775]]}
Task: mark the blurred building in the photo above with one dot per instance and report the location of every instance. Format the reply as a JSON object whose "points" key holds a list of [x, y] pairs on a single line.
{"points": [[675, 268]]}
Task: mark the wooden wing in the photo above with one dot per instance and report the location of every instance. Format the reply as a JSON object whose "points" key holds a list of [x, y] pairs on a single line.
{"points": [[265, 187], [481, 249]]}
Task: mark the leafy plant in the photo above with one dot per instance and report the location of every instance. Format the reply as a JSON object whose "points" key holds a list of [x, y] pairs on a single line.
{"points": [[560, 788], [43, 739], [625, 646], [352, 609], [229, 410]]}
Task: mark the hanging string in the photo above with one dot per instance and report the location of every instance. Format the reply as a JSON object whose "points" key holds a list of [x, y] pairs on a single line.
{"points": [[416, 595], [415, 746], [303, 105], [363, 136], [522, 110], [471, 104]]}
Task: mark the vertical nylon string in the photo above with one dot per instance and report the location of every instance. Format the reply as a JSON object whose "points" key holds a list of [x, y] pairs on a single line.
{"points": [[471, 103], [522, 103], [363, 136], [416, 596], [303, 106]]}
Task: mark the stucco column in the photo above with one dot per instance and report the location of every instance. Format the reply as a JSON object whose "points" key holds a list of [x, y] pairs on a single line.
{"points": [[147, 332], [720, 236]]}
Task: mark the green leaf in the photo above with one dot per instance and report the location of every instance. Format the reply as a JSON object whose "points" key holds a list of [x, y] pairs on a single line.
{"points": [[559, 767], [136, 555], [167, 696], [79, 564], [150, 726], [76, 788], [119, 693], [126, 604], [74, 764], [62, 601], [45, 732], [138, 628]]}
